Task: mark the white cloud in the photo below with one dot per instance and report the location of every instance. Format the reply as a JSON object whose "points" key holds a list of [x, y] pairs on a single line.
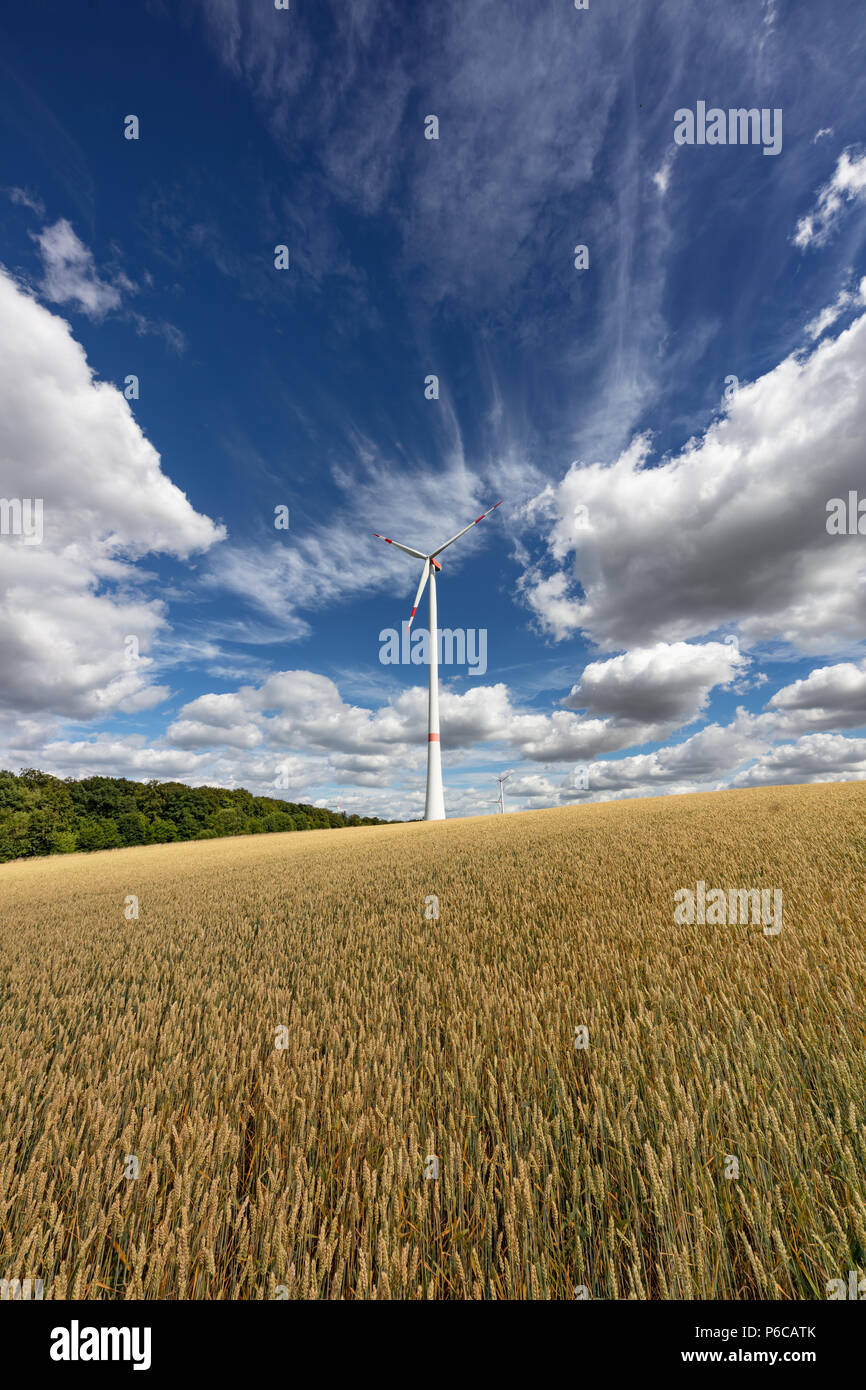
{"points": [[711, 754], [70, 273], [828, 315], [662, 176], [532, 787], [730, 531], [813, 758], [503, 87], [68, 604], [70, 277], [315, 565], [644, 696], [24, 199], [294, 735], [830, 697], [666, 683], [109, 755], [847, 184]]}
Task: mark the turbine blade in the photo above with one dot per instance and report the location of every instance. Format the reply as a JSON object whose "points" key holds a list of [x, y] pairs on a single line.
{"points": [[406, 549], [467, 528], [425, 575]]}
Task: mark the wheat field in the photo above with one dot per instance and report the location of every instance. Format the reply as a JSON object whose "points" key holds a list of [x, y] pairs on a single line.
{"points": [[247, 1091]]}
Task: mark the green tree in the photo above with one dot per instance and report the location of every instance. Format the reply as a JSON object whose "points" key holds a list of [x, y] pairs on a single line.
{"points": [[64, 842], [91, 835], [162, 832], [227, 821], [133, 827]]}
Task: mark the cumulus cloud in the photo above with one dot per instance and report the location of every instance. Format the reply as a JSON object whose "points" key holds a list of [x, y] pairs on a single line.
{"points": [[294, 735], [813, 758], [830, 697], [706, 759], [732, 530], [304, 710], [297, 709], [665, 683], [110, 755], [533, 786], [68, 604], [302, 714]]}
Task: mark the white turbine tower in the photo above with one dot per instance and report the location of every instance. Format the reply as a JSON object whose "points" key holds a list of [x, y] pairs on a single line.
{"points": [[434, 808], [500, 801]]}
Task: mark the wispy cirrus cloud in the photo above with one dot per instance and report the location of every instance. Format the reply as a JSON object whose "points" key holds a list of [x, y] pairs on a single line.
{"points": [[847, 184], [70, 274], [846, 299], [23, 198]]}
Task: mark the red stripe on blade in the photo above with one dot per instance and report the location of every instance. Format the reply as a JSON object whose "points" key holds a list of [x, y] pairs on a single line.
{"points": [[433, 738]]}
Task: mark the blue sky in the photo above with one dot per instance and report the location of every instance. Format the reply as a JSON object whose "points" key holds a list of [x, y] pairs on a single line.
{"points": [[663, 604]]}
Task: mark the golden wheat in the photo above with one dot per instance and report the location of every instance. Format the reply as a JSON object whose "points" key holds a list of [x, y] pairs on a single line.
{"points": [[287, 1049]]}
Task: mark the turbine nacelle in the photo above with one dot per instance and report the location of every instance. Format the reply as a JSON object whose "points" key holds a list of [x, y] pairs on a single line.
{"points": [[430, 561]]}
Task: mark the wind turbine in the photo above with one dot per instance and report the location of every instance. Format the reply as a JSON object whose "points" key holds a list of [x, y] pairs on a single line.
{"points": [[434, 808], [501, 799]]}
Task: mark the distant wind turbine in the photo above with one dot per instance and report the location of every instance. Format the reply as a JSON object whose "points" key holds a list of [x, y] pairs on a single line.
{"points": [[501, 798], [434, 808]]}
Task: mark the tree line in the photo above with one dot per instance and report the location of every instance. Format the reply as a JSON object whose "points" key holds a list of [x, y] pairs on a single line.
{"points": [[41, 814]]}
